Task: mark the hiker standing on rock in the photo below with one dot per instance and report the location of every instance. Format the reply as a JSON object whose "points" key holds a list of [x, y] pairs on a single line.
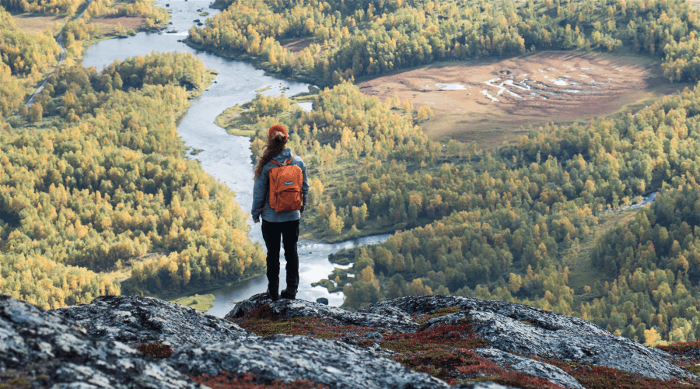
{"points": [[279, 196]]}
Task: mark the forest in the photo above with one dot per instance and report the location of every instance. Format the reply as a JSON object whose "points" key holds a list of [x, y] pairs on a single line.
{"points": [[512, 224], [94, 187], [154, 15], [530, 222], [363, 38], [537, 222]]}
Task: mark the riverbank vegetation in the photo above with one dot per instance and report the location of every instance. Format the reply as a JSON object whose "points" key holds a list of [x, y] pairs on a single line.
{"points": [[94, 183]]}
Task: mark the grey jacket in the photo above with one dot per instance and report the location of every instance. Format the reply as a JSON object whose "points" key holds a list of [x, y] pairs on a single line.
{"points": [[261, 191]]}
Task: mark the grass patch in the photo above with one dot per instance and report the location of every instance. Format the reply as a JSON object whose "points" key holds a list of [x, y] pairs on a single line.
{"points": [[33, 23], [199, 302], [582, 273]]}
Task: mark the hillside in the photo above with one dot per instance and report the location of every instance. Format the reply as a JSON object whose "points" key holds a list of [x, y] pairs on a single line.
{"points": [[411, 342]]}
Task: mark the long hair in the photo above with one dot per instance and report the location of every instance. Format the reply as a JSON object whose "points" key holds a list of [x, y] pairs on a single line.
{"points": [[275, 145]]}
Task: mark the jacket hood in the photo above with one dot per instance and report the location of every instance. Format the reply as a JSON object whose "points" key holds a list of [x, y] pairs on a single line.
{"points": [[285, 155]]}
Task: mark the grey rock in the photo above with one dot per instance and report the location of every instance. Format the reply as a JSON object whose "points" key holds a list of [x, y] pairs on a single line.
{"points": [[290, 358], [548, 335], [41, 345], [322, 300], [544, 319], [394, 320], [135, 320], [530, 366], [617, 352]]}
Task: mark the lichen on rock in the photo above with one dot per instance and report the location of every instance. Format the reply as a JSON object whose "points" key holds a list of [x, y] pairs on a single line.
{"points": [[44, 348], [136, 320]]}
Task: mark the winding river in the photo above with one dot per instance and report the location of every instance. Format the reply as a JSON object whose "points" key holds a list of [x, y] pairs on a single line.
{"points": [[225, 156]]}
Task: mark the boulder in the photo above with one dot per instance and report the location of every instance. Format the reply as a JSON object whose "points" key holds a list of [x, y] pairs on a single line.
{"points": [[289, 358], [389, 318], [47, 350], [135, 320]]}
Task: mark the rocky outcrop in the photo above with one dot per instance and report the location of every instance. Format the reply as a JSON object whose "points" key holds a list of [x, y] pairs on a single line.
{"points": [[93, 345], [136, 320], [526, 330], [291, 358], [511, 335], [45, 350], [387, 317], [530, 366]]}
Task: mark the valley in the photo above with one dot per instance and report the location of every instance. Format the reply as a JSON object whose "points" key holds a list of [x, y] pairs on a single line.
{"points": [[493, 142]]}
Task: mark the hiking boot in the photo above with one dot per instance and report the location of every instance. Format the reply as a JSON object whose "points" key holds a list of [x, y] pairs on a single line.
{"points": [[289, 293], [272, 294]]}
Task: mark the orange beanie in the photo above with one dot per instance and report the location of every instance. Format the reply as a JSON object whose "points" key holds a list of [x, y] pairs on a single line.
{"points": [[275, 129]]}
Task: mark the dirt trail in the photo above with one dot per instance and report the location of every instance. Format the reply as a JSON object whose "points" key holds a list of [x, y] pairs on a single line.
{"points": [[62, 58], [490, 101]]}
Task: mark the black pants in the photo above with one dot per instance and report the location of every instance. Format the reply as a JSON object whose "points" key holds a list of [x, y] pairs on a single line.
{"points": [[290, 235]]}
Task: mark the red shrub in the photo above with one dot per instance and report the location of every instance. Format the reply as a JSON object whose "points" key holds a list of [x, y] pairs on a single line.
{"points": [[678, 348], [155, 350], [600, 377], [227, 380], [452, 336]]}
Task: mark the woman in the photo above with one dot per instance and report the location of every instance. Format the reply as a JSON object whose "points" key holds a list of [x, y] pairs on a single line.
{"points": [[284, 222]]}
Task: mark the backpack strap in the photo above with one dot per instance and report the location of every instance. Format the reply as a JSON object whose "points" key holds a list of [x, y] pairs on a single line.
{"points": [[285, 163]]}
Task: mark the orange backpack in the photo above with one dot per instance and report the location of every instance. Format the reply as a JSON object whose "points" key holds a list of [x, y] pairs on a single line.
{"points": [[285, 186]]}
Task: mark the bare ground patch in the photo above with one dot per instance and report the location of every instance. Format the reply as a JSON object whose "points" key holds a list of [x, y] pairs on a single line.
{"points": [[298, 45], [495, 100], [31, 23], [110, 24]]}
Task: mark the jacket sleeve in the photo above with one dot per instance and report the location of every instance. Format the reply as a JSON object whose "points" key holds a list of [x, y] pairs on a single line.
{"points": [[260, 189], [304, 186]]}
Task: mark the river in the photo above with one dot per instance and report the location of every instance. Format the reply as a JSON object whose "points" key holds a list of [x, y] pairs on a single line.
{"points": [[224, 156]]}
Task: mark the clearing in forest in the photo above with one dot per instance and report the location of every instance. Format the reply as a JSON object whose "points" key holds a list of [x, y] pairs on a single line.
{"points": [[110, 24], [494, 100], [27, 22]]}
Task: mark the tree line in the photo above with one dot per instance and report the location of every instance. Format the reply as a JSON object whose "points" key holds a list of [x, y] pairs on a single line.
{"points": [[362, 38]]}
